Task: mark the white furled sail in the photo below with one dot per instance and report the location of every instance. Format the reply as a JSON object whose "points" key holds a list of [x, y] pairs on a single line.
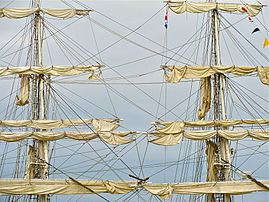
{"points": [[104, 130], [43, 168], [205, 88], [176, 73], [48, 124], [201, 7], [177, 126], [173, 132], [45, 124], [175, 138], [16, 13], [23, 99], [116, 138], [229, 187], [37, 186], [52, 70]]}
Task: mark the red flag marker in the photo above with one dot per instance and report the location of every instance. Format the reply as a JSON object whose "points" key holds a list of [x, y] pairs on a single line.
{"points": [[166, 15], [244, 9], [166, 19]]}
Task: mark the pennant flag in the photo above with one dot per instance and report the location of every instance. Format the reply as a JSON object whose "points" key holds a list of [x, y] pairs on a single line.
{"points": [[249, 19], [166, 19], [166, 15], [266, 42], [165, 25], [255, 30], [244, 9]]}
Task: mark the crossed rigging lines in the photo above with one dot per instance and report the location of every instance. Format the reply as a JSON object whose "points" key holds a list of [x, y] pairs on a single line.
{"points": [[60, 42]]}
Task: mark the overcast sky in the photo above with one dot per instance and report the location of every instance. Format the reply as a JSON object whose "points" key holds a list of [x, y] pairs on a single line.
{"points": [[135, 90]]}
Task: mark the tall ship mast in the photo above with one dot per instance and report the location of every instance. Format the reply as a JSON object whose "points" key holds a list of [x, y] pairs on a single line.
{"points": [[54, 147]]}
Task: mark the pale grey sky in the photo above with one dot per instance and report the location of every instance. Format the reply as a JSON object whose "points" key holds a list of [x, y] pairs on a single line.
{"points": [[136, 92]]}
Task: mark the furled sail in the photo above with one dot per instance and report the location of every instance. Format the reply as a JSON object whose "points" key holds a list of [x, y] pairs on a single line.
{"points": [[176, 73], [25, 12], [211, 150], [48, 124], [175, 138], [118, 137], [25, 91], [205, 88], [177, 126], [229, 187], [212, 171], [38, 186], [200, 7], [104, 130], [173, 132], [53, 70]]}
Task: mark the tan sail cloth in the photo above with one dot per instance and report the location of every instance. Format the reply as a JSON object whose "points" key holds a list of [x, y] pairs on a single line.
{"points": [[205, 89], [173, 139], [229, 187], [171, 127], [116, 137], [200, 7], [191, 72], [38, 186], [25, 12], [167, 139], [211, 151], [30, 172], [104, 125], [104, 130], [264, 74], [45, 124], [53, 70], [177, 126], [35, 186], [23, 99]]}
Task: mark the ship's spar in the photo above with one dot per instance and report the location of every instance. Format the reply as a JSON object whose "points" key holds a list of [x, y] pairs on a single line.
{"points": [[218, 187]]}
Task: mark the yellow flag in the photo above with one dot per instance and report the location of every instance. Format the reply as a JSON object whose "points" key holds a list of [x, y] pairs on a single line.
{"points": [[266, 42]]}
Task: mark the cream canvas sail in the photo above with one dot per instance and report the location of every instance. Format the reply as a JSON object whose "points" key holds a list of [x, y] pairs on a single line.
{"points": [[25, 12], [199, 7], [118, 187], [211, 128]]}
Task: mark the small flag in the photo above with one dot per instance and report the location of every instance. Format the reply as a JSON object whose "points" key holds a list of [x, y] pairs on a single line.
{"points": [[255, 30], [165, 25], [166, 15], [166, 19], [266, 42], [250, 19], [244, 9]]}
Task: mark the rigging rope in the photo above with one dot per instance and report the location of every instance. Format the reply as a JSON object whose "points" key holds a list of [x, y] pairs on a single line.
{"points": [[94, 132]]}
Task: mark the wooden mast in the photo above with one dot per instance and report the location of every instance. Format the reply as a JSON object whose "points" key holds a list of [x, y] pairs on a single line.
{"points": [[224, 169], [39, 108]]}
